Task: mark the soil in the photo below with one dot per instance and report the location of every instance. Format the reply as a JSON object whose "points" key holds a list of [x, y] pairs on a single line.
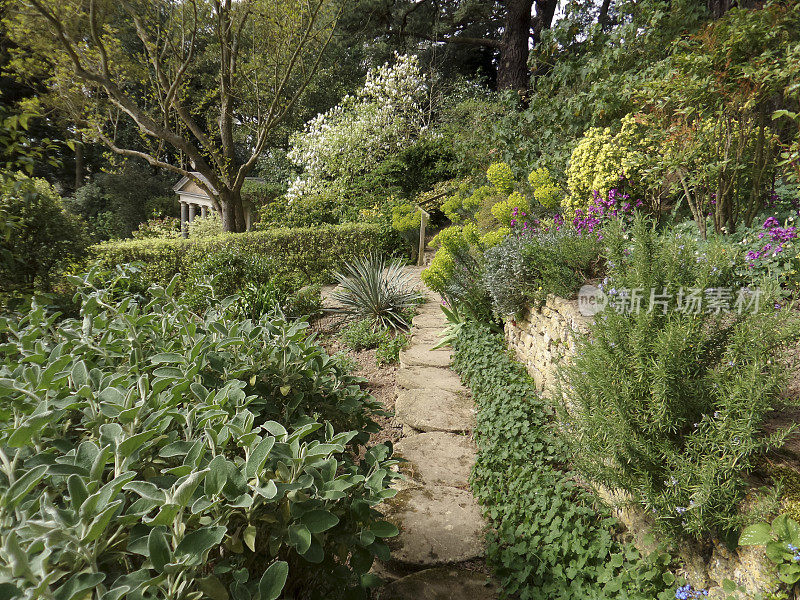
{"points": [[380, 379]]}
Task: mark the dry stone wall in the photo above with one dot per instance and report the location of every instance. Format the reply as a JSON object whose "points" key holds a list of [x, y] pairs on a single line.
{"points": [[544, 337]]}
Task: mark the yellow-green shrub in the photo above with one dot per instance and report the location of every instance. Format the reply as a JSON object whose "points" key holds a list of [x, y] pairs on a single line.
{"points": [[493, 238], [501, 177], [503, 211], [601, 159], [448, 242], [461, 207], [405, 217], [439, 272], [545, 190]]}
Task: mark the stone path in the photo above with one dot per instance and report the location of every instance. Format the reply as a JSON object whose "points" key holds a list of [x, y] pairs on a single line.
{"points": [[441, 528]]}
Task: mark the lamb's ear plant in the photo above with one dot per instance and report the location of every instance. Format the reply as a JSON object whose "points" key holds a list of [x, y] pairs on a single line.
{"points": [[148, 452], [377, 289]]}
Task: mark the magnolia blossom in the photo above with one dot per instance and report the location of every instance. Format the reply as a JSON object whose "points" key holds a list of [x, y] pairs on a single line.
{"points": [[384, 116]]}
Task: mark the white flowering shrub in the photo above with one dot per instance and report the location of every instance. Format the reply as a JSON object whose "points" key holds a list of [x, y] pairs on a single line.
{"points": [[386, 115]]}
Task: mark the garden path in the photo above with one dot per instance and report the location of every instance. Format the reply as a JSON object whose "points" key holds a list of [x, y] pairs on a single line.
{"points": [[439, 554]]}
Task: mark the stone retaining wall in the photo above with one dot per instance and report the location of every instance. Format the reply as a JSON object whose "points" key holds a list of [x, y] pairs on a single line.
{"points": [[544, 337]]}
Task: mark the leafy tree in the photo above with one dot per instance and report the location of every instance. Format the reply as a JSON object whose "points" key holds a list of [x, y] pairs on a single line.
{"points": [[45, 237], [506, 29], [115, 203], [386, 115], [18, 155], [203, 80]]}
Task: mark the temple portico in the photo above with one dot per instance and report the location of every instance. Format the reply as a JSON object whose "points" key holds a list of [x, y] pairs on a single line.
{"points": [[195, 201]]}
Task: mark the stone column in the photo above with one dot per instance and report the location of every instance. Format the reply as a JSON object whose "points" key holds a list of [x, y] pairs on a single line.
{"points": [[184, 219], [203, 211], [192, 212]]}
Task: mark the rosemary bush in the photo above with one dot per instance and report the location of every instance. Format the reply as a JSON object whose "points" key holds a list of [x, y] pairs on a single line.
{"points": [[667, 405]]}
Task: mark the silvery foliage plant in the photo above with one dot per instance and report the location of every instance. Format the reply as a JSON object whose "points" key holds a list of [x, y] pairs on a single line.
{"points": [[149, 452]]}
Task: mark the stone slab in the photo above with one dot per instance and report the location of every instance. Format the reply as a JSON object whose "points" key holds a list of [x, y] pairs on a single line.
{"points": [[435, 410], [432, 378], [439, 525], [437, 458], [421, 355], [429, 338], [441, 584], [429, 320]]}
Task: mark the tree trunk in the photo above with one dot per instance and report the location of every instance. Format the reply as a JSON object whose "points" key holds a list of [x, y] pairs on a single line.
{"points": [[545, 11], [512, 68], [232, 211], [717, 8], [603, 19]]}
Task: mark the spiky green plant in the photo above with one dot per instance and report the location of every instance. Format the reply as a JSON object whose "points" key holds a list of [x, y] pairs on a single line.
{"points": [[376, 289]]}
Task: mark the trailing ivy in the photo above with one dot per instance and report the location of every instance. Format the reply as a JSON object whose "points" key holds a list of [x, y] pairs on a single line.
{"points": [[548, 537]]}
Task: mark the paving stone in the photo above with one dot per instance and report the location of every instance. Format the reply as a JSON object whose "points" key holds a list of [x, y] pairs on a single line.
{"points": [[429, 320], [439, 525], [428, 337], [435, 410], [441, 584], [432, 378], [437, 458], [422, 355]]}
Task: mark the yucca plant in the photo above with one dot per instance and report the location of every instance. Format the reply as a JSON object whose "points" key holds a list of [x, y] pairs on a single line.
{"points": [[376, 289]]}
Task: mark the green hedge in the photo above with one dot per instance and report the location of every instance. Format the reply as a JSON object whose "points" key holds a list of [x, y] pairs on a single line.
{"points": [[312, 251]]}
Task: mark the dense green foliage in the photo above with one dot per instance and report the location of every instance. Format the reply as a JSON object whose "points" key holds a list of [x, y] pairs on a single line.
{"points": [[667, 402], [669, 109], [156, 453], [312, 252], [46, 239], [232, 270], [113, 204], [548, 537], [364, 335]]}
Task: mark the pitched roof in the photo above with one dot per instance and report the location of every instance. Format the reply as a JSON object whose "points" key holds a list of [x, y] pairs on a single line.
{"points": [[185, 179]]}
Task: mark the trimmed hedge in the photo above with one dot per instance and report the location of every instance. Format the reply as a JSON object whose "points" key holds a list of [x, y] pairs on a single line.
{"points": [[313, 251]]}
